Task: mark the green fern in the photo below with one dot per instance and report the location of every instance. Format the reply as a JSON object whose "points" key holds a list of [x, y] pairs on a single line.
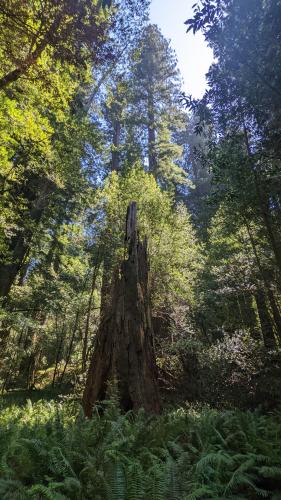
{"points": [[59, 464], [38, 491], [11, 489], [50, 451], [115, 480], [135, 481]]}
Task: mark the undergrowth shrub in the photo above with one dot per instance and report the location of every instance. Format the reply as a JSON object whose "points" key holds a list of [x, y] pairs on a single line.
{"points": [[234, 371], [50, 451]]}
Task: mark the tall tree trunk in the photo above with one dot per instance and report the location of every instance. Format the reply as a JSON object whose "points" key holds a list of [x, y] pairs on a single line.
{"points": [[264, 206], [152, 157], [270, 294], [265, 320], [124, 349], [69, 352], [60, 341]]}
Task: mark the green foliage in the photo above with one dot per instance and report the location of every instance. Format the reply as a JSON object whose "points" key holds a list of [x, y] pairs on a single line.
{"points": [[49, 450], [242, 109], [155, 89], [142, 113], [82, 103], [173, 250], [236, 371]]}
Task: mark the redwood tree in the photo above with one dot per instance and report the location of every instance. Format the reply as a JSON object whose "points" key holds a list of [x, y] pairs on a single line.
{"points": [[124, 351]]}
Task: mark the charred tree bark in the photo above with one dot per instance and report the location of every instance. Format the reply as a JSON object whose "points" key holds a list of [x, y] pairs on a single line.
{"points": [[124, 348]]}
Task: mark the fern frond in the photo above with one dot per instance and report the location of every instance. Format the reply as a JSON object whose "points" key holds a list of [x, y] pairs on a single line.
{"points": [[115, 478], [59, 464], [200, 492], [43, 492]]}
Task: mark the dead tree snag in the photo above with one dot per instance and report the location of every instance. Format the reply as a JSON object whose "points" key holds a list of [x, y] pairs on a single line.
{"points": [[124, 345]]}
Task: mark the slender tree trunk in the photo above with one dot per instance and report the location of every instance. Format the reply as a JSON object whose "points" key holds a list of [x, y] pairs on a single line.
{"points": [[86, 333], [275, 312], [105, 289], [124, 349], [32, 367], [240, 312], [13, 363], [5, 330], [116, 144], [272, 301], [59, 350], [264, 206], [30, 361], [10, 270], [265, 321], [250, 317], [152, 157], [69, 352], [275, 244]]}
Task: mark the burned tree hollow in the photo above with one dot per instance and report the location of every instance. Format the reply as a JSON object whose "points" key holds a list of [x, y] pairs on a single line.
{"points": [[124, 351]]}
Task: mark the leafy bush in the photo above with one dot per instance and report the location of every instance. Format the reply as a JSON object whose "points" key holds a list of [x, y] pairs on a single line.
{"points": [[234, 371], [50, 451]]}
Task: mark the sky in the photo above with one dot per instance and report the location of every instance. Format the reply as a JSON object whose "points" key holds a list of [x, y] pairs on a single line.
{"points": [[194, 56]]}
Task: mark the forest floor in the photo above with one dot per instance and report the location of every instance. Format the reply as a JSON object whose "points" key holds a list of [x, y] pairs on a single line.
{"points": [[50, 450]]}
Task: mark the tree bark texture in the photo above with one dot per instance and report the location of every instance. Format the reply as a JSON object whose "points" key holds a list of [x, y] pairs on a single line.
{"points": [[124, 350]]}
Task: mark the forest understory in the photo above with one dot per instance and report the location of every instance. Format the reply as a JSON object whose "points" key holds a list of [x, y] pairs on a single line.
{"points": [[140, 254]]}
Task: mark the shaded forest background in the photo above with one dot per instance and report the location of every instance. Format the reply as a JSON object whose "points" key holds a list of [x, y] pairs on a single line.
{"points": [[93, 117]]}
